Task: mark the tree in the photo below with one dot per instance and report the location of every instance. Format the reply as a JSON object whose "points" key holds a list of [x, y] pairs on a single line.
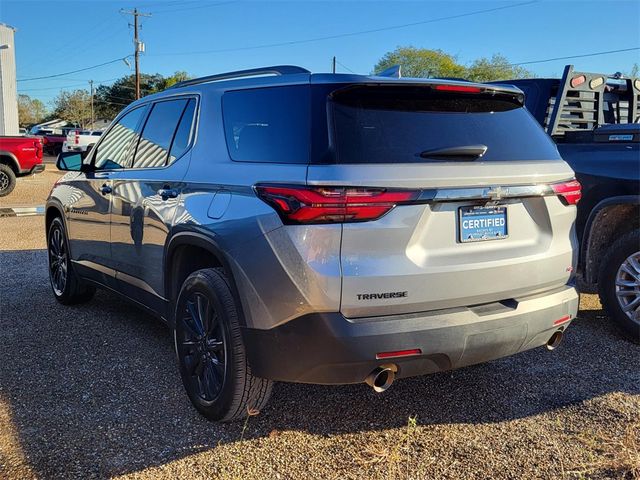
{"points": [[421, 62], [175, 78], [30, 111], [74, 107], [110, 99], [495, 68]]}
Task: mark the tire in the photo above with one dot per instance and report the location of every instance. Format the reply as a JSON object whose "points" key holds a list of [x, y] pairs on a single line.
{"points": [[67, 287], [619, 283], [7, 180], [211, 355]]}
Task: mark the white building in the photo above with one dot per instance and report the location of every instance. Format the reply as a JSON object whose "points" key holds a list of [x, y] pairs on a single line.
{"points": [[8, 90]]}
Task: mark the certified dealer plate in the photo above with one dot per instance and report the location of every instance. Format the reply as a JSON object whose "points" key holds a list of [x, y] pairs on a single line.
{"points": [[478, 224]]}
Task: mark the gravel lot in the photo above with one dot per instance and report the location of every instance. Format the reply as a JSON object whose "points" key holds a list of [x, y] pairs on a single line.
{"points": [[93, 391], [32, 190]]}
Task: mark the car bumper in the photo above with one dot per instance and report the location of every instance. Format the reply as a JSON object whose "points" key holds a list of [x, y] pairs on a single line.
{"points": [[39, 168], [327, 348]]}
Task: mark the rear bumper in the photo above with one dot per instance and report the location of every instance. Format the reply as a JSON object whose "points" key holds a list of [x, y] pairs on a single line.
{"points": [[39, 168], [328, 348]]}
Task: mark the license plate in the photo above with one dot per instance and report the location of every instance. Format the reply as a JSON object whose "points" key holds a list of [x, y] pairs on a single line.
{"points": [[478, 224]]}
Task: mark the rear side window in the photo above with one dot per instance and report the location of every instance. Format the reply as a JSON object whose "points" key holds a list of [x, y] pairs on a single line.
{"points": [[400, 124], [158, 133], [268, 124], [183, 133]]}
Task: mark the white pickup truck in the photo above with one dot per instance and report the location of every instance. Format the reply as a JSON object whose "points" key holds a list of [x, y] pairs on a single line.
{"points": [[81, 140]]}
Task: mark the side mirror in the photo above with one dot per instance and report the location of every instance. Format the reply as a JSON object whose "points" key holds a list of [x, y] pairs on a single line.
{"points": [[69, 161]]}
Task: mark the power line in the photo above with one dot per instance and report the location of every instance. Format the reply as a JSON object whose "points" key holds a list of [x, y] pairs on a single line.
{"points": [[62, 87], [351, 34], [344, 66], [122, 59], [577, 56], [194, 8]]}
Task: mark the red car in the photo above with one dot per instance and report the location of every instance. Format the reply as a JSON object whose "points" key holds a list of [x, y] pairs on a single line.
{"points": [[19, 156]]}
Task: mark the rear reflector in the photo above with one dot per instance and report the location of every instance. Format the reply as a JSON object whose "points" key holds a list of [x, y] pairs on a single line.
{"points": [[458, 88], [300, 204], [566, 318], [569, 192], [399, 353]]}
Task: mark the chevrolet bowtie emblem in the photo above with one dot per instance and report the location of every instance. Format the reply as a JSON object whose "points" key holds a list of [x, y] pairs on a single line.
{"points": [[496, 193]]}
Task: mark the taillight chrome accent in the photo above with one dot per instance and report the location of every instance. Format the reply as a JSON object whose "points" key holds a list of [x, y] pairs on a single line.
{"points": [[569, 192], [311, 204]]}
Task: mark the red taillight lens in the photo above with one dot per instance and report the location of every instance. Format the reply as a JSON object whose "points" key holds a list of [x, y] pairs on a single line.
{"points": [[570, 192], [458, 88], [332, 204]]}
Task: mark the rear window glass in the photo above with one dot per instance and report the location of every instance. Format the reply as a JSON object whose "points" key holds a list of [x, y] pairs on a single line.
{"points": [[391, 124], [268, 124]]}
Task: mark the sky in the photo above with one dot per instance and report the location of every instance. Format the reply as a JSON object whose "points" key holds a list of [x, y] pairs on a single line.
{"points": [[205, 37]]}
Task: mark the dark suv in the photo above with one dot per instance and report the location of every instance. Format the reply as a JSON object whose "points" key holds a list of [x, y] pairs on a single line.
{"points": [[323, 228]]}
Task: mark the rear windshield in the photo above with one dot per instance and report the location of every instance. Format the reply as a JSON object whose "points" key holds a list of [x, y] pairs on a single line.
{"points": [[396, 124], [327, 123]]}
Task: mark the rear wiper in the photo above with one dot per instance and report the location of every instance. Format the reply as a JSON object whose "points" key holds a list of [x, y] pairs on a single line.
{"points": [[464, 152]]}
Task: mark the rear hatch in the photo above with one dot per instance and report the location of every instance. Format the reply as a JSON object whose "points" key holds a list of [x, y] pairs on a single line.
{"points": [[474, 204]]}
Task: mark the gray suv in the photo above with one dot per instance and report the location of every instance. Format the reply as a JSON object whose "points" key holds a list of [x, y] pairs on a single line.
{"points": [[322, 228]]}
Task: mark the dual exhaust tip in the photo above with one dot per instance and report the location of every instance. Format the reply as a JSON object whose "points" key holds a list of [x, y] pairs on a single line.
{"points": [[383, 376]]}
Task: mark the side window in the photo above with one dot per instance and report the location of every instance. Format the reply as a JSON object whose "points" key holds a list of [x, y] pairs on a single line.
{"points": [[268, 124], [158, 132], [183, 133], [114, 151]]}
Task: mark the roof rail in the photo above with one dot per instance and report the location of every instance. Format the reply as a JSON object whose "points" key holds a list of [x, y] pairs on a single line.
{"points": [[253, 72]]}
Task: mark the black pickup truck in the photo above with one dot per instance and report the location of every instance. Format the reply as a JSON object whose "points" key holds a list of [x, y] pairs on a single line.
{"points": [[595, 122]]}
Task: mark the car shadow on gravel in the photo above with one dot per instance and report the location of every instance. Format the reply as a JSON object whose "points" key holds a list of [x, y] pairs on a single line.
{"points": [[93, 390]]}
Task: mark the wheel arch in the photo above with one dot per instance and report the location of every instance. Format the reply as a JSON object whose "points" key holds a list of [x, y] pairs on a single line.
{"points": [[53, 209], [606, 222], [188, 251], [9, 159]]}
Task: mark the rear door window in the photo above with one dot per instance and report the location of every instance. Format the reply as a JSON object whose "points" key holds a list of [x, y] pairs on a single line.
{"points": [[158, 132], [268, 124], [400, 124]]}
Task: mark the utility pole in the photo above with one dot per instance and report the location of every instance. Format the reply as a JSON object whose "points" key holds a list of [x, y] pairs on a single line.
{"points": [[139, 46], [93, 121], [334, 64]]}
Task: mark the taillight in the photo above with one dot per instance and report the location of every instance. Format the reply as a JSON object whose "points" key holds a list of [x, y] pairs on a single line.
{"points": [[77, 138], [298, 204], [569, 192]]}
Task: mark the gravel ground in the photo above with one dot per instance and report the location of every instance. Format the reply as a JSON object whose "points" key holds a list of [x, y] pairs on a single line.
{"points": [[93, 391], [32, 190]]}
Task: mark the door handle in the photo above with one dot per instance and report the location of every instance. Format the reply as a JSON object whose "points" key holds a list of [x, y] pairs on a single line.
{"points": [[105, 189], [166, 193]]}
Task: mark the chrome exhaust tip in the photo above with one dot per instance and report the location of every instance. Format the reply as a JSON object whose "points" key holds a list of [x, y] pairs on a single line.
{"points": [[555, 340], [382, 377]]}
